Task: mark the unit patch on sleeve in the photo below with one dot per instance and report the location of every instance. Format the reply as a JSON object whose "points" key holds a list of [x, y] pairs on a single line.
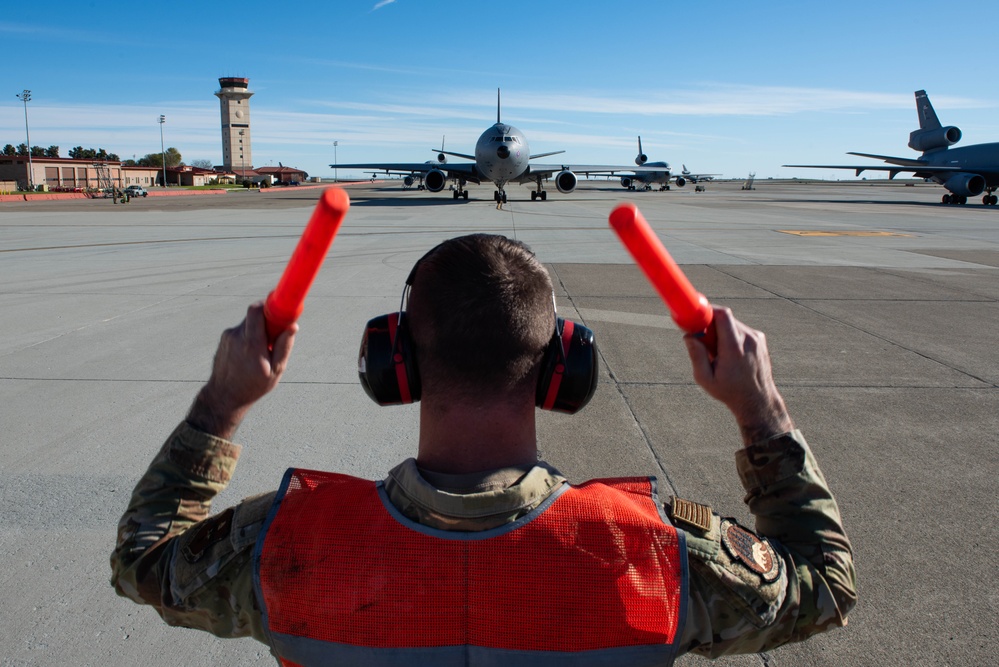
{"points": [[750, 550]]}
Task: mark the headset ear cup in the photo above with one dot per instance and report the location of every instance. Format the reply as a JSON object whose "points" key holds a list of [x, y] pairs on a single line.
{"points": [[386, 366], [568, 376]]}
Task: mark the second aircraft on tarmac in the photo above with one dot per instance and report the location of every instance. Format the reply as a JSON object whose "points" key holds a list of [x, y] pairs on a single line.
{"points": [[967, 171], [501, 156]]}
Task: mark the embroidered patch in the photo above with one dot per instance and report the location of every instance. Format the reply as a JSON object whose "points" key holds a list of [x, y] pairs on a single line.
{"points": [[750, 550], [207, 533], [690, 513]]}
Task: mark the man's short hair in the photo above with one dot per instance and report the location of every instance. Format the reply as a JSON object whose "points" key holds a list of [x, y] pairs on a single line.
{"points": [[481, 314]]}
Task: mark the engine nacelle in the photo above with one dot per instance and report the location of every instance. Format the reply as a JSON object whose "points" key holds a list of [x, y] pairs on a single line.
{"points": [[435, 180], [641, 159], [680, 181], [966, 185], [625, 182], [408, 181], [565, 181], [441, 158], [928, 140]]}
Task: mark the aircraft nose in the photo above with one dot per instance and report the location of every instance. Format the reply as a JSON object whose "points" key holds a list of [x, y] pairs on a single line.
{"points": [[503, 152]]}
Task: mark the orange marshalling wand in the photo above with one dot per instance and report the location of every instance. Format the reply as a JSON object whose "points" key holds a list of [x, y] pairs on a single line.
{"points": [[690, 310], [285, 303]]}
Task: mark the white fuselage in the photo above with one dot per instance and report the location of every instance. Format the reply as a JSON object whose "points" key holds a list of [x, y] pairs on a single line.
{"points": [[502, 154]]}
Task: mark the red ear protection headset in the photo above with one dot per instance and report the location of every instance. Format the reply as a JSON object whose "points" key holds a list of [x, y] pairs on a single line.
{"points": [[387, 367]]}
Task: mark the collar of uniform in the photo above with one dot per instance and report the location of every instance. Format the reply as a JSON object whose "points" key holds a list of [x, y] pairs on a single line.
{"points": [[506, 491]]}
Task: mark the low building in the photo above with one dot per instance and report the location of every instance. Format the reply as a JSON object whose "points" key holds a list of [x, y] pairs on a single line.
{"points": [[56, 173], [283, 174], [196, 176]]}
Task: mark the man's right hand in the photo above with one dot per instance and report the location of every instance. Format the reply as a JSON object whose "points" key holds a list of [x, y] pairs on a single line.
{"points": [[740, 376], [243, 372]]}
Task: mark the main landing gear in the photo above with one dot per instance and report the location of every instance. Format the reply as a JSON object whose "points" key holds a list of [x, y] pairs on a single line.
{"points": [[460, 192], [954, 199], [539, 193], [990, 199]]}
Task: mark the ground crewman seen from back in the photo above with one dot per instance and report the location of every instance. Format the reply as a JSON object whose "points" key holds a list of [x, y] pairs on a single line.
{"points": [[475, 552]]}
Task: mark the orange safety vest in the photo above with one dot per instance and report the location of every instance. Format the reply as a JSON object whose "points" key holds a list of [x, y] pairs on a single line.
{"points": [[593, 576]]}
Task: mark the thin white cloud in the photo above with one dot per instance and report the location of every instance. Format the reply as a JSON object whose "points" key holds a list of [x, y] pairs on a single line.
{"points": [[381, 4]]}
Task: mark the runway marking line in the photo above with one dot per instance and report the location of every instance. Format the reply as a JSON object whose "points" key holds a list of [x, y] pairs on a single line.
{"points": [[844, 233]]}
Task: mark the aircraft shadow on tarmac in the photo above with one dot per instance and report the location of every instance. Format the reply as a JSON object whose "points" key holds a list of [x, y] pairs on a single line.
{"points": [[878, 202]]}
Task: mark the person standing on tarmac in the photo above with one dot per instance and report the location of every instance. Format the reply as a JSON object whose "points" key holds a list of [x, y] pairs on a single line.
{"points": [[475, 552]]}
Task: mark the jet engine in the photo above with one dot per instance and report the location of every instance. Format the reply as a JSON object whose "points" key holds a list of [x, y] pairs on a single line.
{"points": [[928, 140], [408, 181], [435, 180], [625, 182], [441, 158], [680, 181], [641, 159], [965, 185], [565, 181]]}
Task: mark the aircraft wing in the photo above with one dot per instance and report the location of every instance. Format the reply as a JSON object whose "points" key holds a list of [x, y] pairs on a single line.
{"points": [[466, 170], [903, 161], [547, 170], [922, 171]]}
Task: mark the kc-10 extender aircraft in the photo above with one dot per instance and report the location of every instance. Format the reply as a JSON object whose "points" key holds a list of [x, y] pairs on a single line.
{"points": [[501, 156], [966, 172], [660, 174]]}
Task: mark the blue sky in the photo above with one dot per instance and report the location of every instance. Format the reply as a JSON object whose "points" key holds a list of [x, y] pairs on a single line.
{"points": [[728, 87]]}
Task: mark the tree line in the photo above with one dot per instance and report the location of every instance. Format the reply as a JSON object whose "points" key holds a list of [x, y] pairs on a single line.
{"points": [[172, 155]]}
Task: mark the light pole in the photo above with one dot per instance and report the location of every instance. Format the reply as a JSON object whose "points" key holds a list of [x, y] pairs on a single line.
{"points": [[162, 151], [336, 179], [26, 97], [242, 167]]}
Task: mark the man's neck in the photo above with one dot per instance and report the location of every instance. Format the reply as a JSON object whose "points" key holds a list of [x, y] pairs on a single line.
{"points": [[465, 438]]}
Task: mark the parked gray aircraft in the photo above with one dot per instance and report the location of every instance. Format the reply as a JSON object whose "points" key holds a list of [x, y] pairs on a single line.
{"points": [[647, 179], [693, 178], [501, 156], [661, 174], [966, 172]]}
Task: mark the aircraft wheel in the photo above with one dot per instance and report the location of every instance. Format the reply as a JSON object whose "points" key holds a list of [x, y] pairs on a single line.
{"points": [[455, 194], [964, 200], [544, 196], [464, 195], [534, 196], [496, 196], [945, 199], [504, 197], [987, 200]]}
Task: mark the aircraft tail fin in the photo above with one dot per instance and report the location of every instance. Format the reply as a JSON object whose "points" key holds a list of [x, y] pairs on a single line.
{"points": [[641, 158], [927, 116]]}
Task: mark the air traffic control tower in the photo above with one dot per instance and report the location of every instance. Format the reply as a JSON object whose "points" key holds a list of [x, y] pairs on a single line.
{"points": [[235, 100]]}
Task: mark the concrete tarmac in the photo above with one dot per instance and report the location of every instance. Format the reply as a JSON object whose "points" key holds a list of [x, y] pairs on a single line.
{"points": [[880, 306]]}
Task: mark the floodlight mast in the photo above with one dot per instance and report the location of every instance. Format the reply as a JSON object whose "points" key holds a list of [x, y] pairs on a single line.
{"points": [[162, 150], [26, 97]]}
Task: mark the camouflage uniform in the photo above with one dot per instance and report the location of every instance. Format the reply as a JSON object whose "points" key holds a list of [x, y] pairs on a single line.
{"points": [[747, 594]]}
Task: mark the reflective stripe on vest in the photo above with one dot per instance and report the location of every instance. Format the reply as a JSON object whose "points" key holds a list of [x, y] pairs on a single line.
{"points": [[593, 576]]}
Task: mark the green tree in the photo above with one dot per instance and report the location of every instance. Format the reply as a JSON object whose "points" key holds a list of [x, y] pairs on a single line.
{"points": [[37, 151], [173, 159], [9, 150], [22, 149], [52, 151], [202, 163]]}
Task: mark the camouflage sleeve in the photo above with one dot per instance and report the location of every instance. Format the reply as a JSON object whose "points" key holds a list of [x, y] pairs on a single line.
{"points": [[193, 569], [793, 578]]}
